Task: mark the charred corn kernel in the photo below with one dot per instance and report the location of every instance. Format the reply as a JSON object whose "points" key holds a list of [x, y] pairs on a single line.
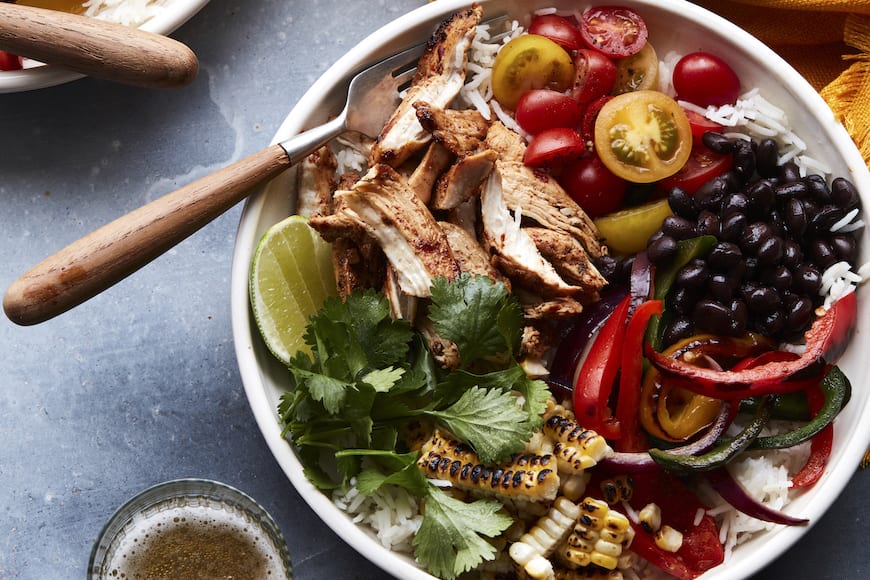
{"points": [[589, 573], [617, 489], [554, 408], [597, 538], [527, 476], [669, 539], [576, 449], [650, 517], [531, 551], [416, 433], [573, 486], [540, 444]]}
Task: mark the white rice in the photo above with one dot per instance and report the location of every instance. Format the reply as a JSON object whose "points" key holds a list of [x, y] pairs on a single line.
{"points": [[391, 512], [127, 12]]}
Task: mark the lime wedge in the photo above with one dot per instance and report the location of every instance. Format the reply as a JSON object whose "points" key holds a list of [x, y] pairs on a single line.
{"points": [[291, 276]]}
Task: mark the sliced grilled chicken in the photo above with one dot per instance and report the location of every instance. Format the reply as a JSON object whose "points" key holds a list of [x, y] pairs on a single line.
{"points": [[384, 205], [462, 181], [440, 74], [556, 308], [571, 261], [542, 199], [315, 182], [513, 249], [401, 305], [509, 145], [469, 254], [459, 131], [436, 161]]}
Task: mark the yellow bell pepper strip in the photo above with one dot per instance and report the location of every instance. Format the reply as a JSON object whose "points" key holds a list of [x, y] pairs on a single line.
{"points": [[631, 372], [826, 340], [598, 373]]}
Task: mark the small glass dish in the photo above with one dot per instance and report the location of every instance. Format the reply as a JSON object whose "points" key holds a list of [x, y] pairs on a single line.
{"points": [[190, 528]]}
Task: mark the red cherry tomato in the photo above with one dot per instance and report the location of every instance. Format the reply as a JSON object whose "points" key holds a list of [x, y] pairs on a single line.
{"points": [[554, 148], [614, 30], [9, 61], [701, 124], [594, 187], [558, 29], [702, 166], [542, 109], [594, 75], [705, 79], [587, 122]]}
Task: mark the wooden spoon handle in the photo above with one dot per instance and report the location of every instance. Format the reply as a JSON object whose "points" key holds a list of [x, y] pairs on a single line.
{"points": [[97, 261], [95, 47]]}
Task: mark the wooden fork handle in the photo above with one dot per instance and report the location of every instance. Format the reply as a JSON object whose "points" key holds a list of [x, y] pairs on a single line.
{"points": [[97, 261], [95, 47]]}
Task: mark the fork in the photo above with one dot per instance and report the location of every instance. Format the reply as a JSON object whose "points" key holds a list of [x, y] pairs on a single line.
{"points": [[111, 253]]}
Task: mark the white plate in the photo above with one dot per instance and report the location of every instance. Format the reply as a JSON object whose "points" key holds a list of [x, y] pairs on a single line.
{"points": [[176, 13], [673, 25]]}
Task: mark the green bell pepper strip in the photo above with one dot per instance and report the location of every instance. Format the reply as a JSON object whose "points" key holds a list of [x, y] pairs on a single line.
{"points": [[721, 454]]}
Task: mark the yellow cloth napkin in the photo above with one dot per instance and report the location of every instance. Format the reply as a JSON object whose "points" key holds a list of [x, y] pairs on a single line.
{"points": [[827, 41]]}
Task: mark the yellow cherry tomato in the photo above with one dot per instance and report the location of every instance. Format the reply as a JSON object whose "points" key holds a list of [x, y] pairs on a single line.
{"points": [[530, 62], [627, 231], [637, 72], [643, 136]]}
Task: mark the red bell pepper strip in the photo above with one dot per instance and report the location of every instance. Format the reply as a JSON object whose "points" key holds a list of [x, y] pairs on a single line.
{"points": [[825, 342], [598, 373], [630, 376], [9, 61], [820, 446]]}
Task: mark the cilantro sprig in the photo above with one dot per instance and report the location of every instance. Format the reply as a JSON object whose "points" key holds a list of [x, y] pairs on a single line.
{"points": [[369, 376]]}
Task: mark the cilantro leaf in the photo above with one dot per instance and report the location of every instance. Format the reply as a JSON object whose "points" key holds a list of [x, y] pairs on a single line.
{"points": [[389, 468], [382, 380], [450, 540], [491, 421], [477, 314]]}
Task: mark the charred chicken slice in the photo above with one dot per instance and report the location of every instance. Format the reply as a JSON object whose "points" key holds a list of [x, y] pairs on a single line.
{"points": [[315, 182], [459, 131], [462, 181], [440, 74], [509, 145], [571, 261]]}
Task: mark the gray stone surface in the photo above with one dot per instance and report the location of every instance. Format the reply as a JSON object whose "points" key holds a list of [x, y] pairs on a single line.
{"points": [[140, 384]]}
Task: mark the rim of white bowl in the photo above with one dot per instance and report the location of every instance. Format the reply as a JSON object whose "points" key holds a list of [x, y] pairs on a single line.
{"points": [[247, 341], [44, 76]]}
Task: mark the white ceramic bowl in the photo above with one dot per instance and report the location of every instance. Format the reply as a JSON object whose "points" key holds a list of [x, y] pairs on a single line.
{"points": [[673, 25], [176, 13]]}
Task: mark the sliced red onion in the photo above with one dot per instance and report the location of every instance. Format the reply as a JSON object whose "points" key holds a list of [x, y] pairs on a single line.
{"points": [[735, 494], [637, 462], [640, 283], [573, 344]]}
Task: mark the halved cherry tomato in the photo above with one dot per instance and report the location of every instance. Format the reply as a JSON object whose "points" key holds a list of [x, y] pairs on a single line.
{"points": [[705, 79], [594, 187], [541, 109], [554, 147], [9, 61], [637, 72], [702, 166], [590, 115], [530, 62], [614, 30], [643, 136], [558, 29], [594, 75], [701, 124]]}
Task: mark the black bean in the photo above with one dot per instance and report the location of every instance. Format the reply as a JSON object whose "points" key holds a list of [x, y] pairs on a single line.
{"points": [[683, 299], [735, 202], [752, 269], [762, 299], [733, 227], [844, 194], [761, 197], [799, 314], [709, 195], [766, 157], [753, 235], [744, 159], [818, 188], [773, 323], [678, 227], [724, 256], [717, 142], [721, 287], [739, 316], [795, 216], [708, 223], [776, 221], [733, 181], [789, 190], [780, 277], [712, 316], [789, 172], [693, 275], [682, 203], [826, 217], [770, 250], [679, 328], [662, 250], [807, 279], [845, 246], [792, 255], [822, 253]]}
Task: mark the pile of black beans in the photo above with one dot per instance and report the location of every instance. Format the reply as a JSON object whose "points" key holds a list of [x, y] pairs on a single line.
{"points": [[774, 241]]}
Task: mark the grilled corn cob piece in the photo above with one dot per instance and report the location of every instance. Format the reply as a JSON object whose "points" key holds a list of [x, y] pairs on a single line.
{"points": [[598, 537], [576, 449], [669, 539], [650, 517], [527, 476], [533, 547], [588, 573]]}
